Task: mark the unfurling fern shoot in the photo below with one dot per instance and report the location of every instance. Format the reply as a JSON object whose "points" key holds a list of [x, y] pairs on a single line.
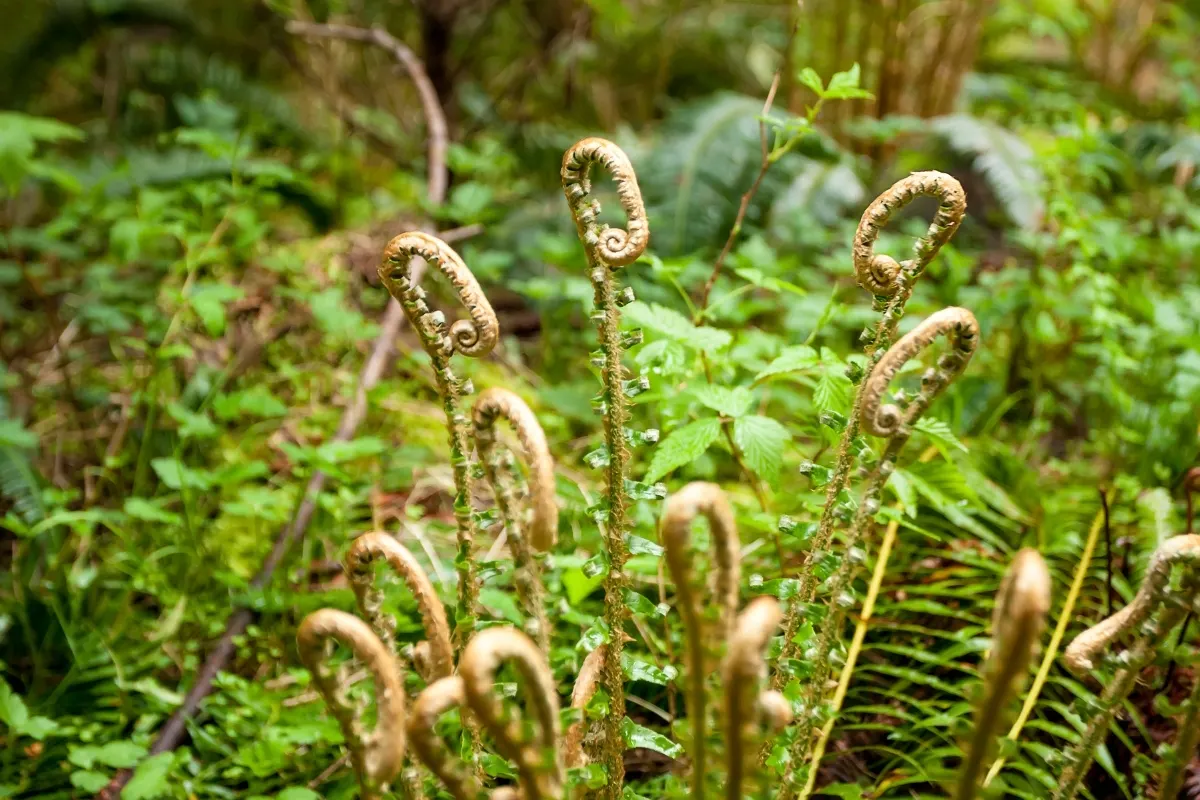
{"points": [[434, 657], [542, 529], [376, 755], [682, 508], [472, 337], [1158, 594], [607, 250], [532, 744], [877, 418], [1017, 623], [749, 711], [892, 284]]}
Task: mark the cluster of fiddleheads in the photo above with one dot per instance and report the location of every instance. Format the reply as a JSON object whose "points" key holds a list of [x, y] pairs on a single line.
{"points": [[1161, 603], [608, 249], [722, 647], [892, 284]]}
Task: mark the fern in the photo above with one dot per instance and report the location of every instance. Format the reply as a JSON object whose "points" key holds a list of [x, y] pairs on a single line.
{"points": [[1004, 160], [704, 159]]}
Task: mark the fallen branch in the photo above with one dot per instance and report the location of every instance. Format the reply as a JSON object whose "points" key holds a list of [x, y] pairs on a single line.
{"points": [[172, 733]]}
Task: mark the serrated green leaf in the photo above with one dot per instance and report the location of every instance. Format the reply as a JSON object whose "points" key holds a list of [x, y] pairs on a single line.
{"points": [[683, 446], [637, 736], [735, 402], [792, 359], [150, 779], [675, 326], [761, 440], [940, 432]]}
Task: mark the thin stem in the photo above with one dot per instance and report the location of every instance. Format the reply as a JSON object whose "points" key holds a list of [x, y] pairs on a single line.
{"points": [[860, 632], [1060, 629]]}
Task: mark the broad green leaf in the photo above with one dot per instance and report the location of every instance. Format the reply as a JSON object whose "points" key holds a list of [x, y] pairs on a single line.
{"points": [[642, 547], [256, 401], [638, 670], [761, 440], [673, 325], [637, 736], [148, 511], [832, 392], [175, 475], [809, 77], [735, 402], [501, 601], [121, 755], [683, 446], [150, 779], [12, 708], [792, 359], [88, 781], [638, 603], [192, 425], [580, 585], [208, 300], [940, 432], [14, 434]]}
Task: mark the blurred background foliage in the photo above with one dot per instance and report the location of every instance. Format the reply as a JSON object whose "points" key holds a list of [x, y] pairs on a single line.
{"points": [[192, 204]]}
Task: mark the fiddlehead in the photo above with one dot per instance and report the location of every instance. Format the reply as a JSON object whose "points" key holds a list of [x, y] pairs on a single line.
{"points": [[881, 274], [440, 697], [474, 337], [613, 247], [607, 249], [747, 709], [959, 327], [892, 283], [437, 656], [1017, 623], [537, 757], [956, 324], [681, 509], [1157, 594], [376, 755], [491, 406]]}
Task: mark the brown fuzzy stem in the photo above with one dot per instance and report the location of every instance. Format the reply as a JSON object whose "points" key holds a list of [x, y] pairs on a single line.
{"points": [[491, 406], [608, 249], [893, 284], [440, 697], [958, 325], [438, 654], [538, 759], [682, 508], [747, 710], [474, 337], [1155, 593], [377, 755], [1020, 616]]}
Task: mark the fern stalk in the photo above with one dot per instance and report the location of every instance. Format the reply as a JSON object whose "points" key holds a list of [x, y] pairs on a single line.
{"points": [[1060, 629], [608, 249], [1172, 604], [892, 284], [1187, 739]]}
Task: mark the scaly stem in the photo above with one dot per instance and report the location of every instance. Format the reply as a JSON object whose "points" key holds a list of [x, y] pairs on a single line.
{"points": [[1187, 738], [860, 633], [616, 613], [609, 249]]}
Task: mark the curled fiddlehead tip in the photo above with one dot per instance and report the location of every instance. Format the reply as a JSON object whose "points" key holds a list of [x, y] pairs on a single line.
{"points": [[474, 337], [586, 684], [708, 499], [378, 755], [881, 274], [1080, 655], [743, 672], [956, 324], [436, 658], [440, 697], [496, 403], [538, 760], [1021, 607], [614, 247]]}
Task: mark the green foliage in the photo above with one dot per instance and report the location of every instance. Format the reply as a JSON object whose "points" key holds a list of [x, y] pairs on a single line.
{"points": [[194, 206]]}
